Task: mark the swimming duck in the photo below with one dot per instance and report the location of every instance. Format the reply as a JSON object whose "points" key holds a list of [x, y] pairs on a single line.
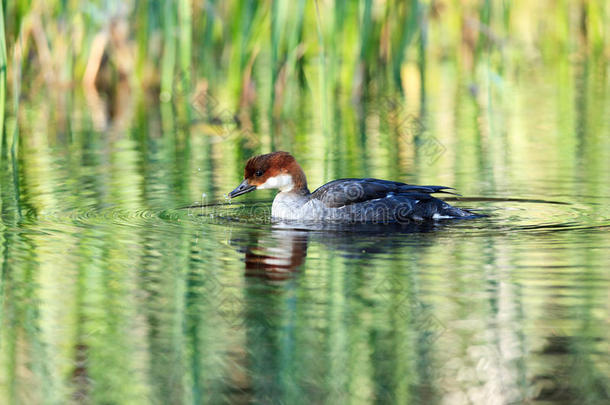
{"points": [[344, 200]]}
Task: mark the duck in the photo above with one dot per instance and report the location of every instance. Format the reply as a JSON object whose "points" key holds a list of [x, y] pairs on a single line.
{"points": [[353, 200]]}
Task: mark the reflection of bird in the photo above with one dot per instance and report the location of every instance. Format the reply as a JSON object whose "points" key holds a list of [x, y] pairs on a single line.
{"points": [[279, 254], [344, 200], [280, 261]]}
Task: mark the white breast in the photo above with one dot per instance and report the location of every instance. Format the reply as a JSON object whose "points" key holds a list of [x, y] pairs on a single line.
{"points": [[297, 207]]}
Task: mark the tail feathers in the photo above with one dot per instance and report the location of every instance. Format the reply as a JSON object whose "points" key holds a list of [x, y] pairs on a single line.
{"points": [[449, 211], [439, 209]]}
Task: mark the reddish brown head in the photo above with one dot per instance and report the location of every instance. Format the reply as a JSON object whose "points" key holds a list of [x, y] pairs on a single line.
{"points": [[273, 170]]}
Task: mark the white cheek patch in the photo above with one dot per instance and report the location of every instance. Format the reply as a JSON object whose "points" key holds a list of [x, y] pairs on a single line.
{"points": [[283, 182]]}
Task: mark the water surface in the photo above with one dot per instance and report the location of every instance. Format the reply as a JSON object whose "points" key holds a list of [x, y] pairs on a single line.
{"points": [[113, 292]]}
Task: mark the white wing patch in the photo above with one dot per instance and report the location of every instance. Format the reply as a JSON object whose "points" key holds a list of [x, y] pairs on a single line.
{"points": [[436, 215]]}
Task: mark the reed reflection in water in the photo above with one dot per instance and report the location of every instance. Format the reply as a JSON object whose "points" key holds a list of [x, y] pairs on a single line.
{"points": [[112, 292]]}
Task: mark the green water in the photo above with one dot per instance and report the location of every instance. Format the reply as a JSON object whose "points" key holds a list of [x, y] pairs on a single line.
{"points": [[113, 293]]}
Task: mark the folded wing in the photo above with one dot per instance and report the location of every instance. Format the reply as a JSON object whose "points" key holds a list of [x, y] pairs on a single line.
{"points": [[342, 192]]}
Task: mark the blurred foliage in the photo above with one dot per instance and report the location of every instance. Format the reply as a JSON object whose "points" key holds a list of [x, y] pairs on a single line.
{"points": [[248, 47], [249, 65]]}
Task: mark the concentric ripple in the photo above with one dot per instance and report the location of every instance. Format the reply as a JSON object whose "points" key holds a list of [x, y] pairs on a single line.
{"points": [[503, 215]]}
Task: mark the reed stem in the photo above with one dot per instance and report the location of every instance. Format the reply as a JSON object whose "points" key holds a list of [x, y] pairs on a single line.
{"points": [[3, 64]]}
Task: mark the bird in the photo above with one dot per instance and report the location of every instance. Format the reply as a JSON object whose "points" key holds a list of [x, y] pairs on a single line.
{"points": [[352, 200]]}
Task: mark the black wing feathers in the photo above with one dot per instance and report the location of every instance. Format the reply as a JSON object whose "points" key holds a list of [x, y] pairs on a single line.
{"points": [[343, 192]]}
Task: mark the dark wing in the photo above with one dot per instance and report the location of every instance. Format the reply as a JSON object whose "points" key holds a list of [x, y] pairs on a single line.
{"points": [[339, 193]]}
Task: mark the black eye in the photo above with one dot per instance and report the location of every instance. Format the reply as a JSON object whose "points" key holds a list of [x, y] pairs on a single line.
{"points": [[258, 173]]}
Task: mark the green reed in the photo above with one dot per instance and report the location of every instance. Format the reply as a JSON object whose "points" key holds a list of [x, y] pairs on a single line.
{"points": [[3, 68], [265, 54], [185, 41]]}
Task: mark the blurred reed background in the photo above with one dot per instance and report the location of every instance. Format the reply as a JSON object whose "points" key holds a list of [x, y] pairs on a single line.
{"points": [[270, 75], [250, 53]]}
